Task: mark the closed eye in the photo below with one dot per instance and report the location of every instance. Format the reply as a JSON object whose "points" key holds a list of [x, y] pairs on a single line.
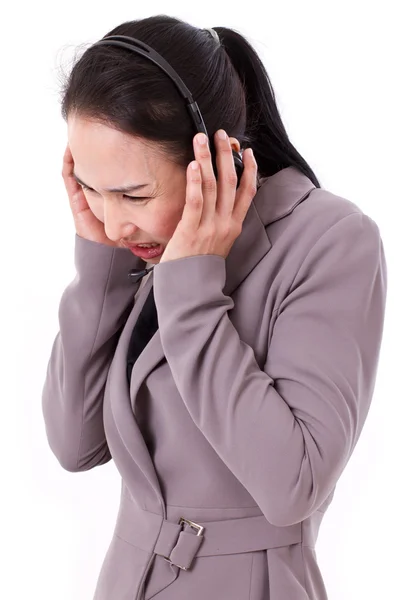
{"points": [[133, 198]]}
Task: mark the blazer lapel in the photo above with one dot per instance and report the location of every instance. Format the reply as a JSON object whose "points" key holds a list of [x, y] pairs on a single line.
{"points": [[249, 248], [277, 197]]}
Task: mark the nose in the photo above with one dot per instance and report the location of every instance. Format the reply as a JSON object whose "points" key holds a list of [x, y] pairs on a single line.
{"points": [[117, 225]]}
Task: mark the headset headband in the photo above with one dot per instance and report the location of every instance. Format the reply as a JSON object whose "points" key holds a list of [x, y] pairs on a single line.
{"points": [[139, 47]]}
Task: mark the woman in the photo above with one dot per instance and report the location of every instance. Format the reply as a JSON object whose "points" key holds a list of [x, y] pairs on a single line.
{"points": [[231, 386]]}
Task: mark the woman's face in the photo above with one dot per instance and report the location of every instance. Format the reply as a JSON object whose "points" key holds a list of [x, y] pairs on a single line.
{"points": [[106, 158]]}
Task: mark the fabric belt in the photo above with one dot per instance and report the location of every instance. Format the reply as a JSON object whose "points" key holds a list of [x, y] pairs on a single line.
{"points": [[180, 542]]}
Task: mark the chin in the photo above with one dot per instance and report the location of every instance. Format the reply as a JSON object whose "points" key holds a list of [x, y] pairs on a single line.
{"points": [[154, 261]]}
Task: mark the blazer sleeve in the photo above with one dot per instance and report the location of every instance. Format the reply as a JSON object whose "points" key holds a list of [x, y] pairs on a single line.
{"points": [[92, 311], [286, 431]]}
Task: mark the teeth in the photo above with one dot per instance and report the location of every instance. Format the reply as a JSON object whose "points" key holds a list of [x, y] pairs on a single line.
{"points": [[147, 245]]}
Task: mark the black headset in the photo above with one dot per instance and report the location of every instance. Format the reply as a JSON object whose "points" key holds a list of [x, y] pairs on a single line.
{"points": [[139, 47]]}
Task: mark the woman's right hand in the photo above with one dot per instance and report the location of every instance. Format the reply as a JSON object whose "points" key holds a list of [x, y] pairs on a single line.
{"points": [[87, 225]]}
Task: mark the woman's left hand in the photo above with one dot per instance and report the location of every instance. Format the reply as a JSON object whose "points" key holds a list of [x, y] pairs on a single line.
{"points": [[214, 212]]}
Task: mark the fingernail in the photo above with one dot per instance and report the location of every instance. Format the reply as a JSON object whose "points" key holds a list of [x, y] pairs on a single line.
{"points": [[202, 139], [221, 134]]}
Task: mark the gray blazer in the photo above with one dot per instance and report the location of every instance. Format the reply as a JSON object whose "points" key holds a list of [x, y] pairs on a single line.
{"points": [[243, 409]]}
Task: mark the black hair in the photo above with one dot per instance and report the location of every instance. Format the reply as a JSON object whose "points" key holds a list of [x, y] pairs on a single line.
{"points": [[228, 81]]}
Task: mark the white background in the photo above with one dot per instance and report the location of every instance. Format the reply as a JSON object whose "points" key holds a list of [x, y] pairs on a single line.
{"points": [[334, 70]]}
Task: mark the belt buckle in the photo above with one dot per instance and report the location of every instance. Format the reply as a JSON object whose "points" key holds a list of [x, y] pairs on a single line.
{"points": [[192, 524], [199, 528]]}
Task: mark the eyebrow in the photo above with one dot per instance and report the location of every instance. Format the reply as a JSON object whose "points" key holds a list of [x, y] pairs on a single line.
{"points": [[126, 188]]}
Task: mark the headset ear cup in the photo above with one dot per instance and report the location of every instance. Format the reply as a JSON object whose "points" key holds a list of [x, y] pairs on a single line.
{"points": [[214, 160], [239, 166]]}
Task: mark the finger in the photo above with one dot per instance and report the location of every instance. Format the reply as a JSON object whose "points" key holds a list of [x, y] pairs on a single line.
{"points": [[208, 181], [68, 162], [68, 154], [247, 188], [78, 203], [227, 177], [193, 209], [74, 190], [68, 165]]}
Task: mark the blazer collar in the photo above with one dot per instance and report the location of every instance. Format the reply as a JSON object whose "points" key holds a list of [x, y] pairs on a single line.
{"points": [[277, 196]]}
